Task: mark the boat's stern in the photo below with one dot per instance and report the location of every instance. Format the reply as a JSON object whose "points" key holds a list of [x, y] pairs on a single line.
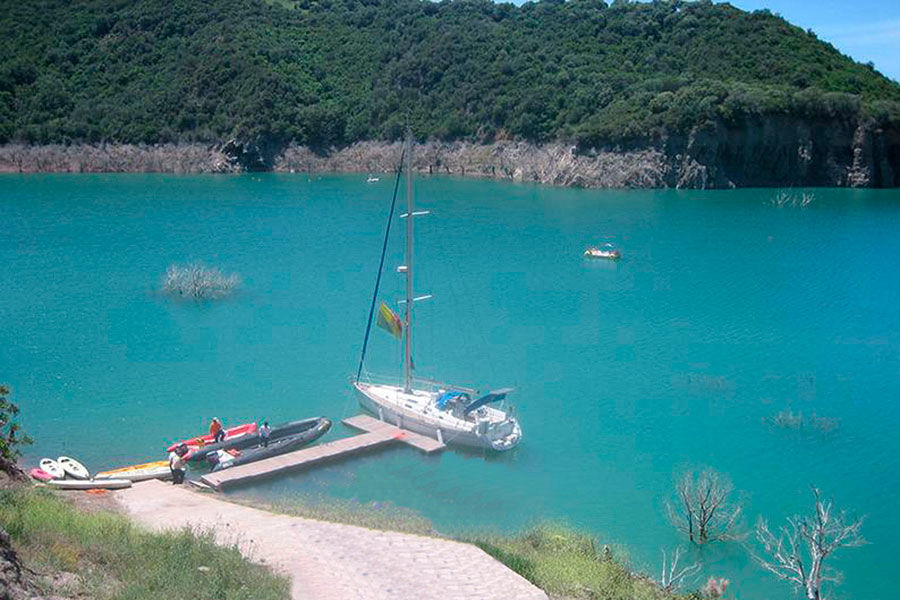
{"points": [[504, 435]]}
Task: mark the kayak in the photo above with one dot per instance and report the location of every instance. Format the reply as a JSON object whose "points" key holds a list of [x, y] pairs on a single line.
{"points": [[152, 470], [48, 465], [89, 484], [73, 468], [224, 459], [40, 475], [202, 440], [253, 439]]}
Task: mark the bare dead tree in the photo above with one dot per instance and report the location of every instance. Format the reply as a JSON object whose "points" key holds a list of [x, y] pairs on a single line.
{"points": [[703, 507], [797, 554], [672, 577], [197, 281]]}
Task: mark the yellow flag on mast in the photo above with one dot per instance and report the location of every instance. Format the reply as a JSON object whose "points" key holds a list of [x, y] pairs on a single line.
{"points": [[389, 321]]}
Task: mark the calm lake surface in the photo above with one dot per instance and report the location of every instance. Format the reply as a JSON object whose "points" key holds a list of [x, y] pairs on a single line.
{"points": [[724, 311]]}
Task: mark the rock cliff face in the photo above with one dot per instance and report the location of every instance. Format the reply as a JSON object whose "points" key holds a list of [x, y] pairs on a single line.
{"points": [[777, 151], [767, 151]]}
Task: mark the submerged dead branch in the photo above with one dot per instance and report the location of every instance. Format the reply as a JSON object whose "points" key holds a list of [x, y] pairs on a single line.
{"points": [[793, 199], [673, 577], [788, 419], [196, 281]]}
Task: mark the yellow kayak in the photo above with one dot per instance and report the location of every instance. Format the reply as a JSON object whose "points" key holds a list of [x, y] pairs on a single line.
{"points": [[152, 470]]}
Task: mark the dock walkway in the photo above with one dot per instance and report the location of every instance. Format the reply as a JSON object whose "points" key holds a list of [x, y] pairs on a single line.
{"points": [[377, 433], [332, 561]]}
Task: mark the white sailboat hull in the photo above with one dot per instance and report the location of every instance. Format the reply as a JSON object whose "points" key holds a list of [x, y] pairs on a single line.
{"points": [[416, 413]]}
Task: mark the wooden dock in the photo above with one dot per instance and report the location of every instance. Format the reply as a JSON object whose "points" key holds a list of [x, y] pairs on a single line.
{"points": [[376, 433]]}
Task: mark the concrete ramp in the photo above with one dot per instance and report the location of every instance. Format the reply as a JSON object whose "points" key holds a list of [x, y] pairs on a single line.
{"points": [[330, 561]]}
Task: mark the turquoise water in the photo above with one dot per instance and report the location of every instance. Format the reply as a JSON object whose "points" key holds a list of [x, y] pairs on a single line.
{"points": [[723, 311]]}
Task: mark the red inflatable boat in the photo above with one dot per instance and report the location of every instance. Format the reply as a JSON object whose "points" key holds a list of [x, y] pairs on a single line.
{"points": [[202, 440]]}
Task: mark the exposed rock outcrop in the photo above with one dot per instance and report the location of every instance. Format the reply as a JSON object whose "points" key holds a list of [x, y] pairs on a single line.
{"points": [[757, 152], [113, 158], [13, 583]]}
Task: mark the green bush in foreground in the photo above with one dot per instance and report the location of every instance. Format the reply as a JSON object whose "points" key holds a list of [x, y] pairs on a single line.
{"points": [[117, 560], [567, 563], [11, 440]]}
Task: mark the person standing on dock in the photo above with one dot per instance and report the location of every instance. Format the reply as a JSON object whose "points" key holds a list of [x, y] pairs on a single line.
{"points": [[264, 432], [216, 430], [177, 464]]}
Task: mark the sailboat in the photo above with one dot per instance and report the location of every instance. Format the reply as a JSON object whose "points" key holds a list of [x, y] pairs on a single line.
{"points": [[451, 414]]}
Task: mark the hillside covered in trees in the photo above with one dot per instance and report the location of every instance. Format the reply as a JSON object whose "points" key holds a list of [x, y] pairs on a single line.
{"points": [[328, 73]]}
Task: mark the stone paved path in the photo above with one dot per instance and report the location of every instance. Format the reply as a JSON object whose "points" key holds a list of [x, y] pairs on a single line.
{"points": [[330, 561]]}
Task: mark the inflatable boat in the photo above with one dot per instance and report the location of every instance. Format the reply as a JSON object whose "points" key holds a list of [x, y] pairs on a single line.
{"points": [[253, 439], [224, 459], [202, 440]]}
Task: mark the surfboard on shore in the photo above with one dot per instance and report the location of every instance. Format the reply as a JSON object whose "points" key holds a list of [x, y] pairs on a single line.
{"points": [[152, 470]]}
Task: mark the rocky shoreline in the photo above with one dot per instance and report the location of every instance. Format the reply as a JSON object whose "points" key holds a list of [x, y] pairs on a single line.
{"points": [[765, 152]]}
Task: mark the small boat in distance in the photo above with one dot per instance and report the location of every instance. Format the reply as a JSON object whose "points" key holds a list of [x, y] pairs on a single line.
{"points": [[607, 251], [372, 179]]}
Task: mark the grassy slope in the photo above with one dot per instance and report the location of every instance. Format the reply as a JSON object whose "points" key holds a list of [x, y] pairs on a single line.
{"points": [[325, 72], [569, 564], [117, 560]]}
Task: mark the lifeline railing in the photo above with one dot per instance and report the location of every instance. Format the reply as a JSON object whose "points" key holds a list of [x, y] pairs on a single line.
{"points": [[431, 385]]}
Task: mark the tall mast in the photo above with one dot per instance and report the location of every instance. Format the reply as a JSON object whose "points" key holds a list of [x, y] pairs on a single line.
{"points": [[407, 358]]}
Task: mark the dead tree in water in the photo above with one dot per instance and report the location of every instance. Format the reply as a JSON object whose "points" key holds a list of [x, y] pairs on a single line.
{"points": [[196, 281], [672, 577], [797, 554], [703, 508]]}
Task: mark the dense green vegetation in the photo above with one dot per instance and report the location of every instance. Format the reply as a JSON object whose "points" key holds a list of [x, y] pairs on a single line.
{"points": [[117, 560], [330, 72], [11, 440]]}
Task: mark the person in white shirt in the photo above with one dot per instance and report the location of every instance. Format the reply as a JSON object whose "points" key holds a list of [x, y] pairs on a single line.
{"points": [[264, 432], [177, 464]]}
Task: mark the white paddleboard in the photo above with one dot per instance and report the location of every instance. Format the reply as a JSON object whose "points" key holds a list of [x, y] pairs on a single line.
{"points": [[90, 484], [48, 465], [73, 468]]}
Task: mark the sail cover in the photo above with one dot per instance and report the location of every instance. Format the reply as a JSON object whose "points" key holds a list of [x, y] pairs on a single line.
{"points": [[389, 321], [446, 397], [494, 396]]}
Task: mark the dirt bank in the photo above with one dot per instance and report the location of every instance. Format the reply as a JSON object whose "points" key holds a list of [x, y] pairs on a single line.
{"points": [[768, 151]]}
